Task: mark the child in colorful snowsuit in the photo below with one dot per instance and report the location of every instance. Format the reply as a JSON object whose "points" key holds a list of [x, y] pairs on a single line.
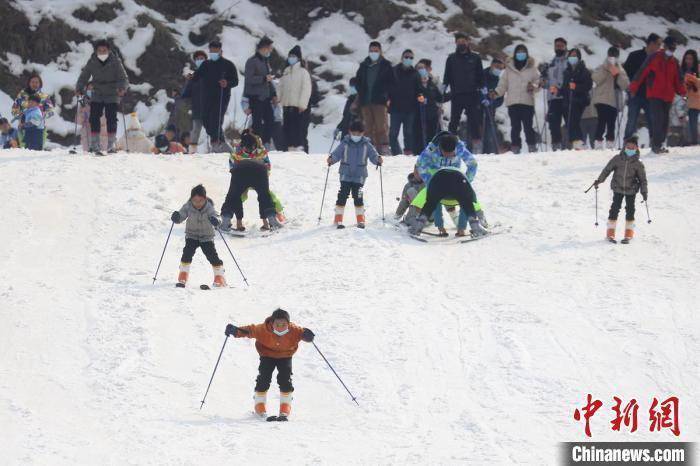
{"points": [[33, 124], [352, 153], [199, 233], [276, 341], [629, 176]]}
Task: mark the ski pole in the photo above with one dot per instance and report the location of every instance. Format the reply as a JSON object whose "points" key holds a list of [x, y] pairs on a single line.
{"points": [[596, 206], [74, 150], [381, 188], [589, 188], [233, 257], [213, 373], [646, 204], [163, 254], [568, 120], [325, 185], [336, 374]]}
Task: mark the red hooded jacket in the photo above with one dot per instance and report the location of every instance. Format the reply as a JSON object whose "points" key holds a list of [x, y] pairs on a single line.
{"points": [[662, 77]]}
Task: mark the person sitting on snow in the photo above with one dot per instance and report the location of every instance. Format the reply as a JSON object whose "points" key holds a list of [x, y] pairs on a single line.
{"points": [[165, 146], [9, 136], [276, 340]]}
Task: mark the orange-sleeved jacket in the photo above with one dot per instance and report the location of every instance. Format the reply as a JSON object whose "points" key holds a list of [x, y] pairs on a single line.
{"points": [[268, 343], [692, 83]]}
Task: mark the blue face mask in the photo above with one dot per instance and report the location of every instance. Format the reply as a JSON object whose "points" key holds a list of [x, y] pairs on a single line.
{"points": [[266, 54], [352, 90], [374, 56], [89, 93], [630, 152], [521, 56], [573, 61], [423, 73], [497, 72], [292, 60], [213, 56], [198, 62], [356, 137], [407, 62]]}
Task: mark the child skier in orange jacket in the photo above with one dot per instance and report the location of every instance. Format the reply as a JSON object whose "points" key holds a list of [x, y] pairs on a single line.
{"points": [[276, 340]]}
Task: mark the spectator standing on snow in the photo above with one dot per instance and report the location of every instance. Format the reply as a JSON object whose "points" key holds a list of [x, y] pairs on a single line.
{"points": [[21, 104], [429, 103], [690, 71], [576, 89], [375, 77], [639, 102], [260, 90], [464, 75], [661, 74], [104, 70], [294, 92], [218, 76], [402, 109], [492, 76], [610, 81], [194, 91], [554, 82]]}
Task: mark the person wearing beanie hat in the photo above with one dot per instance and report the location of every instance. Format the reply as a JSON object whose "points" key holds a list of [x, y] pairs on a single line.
{"points": [[200, 214], [661, 75], [218, 76], [294, 91], [276, 341], [260, 90], [629, 177]]}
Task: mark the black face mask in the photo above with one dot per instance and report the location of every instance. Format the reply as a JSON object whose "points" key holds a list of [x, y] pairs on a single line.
{"points": [[462, 48], [559, 53]]}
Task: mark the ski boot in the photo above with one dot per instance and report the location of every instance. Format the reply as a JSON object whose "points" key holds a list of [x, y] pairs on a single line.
{"points": [[285, 406], [273, 223], [260, 401], [111, 143], [219, 279], [482, 218], [225, 223], [417, 227], [629, 232], [183, 275], [610, 233], [360, 214], [338, 219], [475, 228]]}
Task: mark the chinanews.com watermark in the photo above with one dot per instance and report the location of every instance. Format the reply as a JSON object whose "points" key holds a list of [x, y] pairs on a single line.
{"points": [[662, 417]]}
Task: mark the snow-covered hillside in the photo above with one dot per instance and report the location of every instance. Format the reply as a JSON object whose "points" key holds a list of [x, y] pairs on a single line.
{"points": [[472, 354]]}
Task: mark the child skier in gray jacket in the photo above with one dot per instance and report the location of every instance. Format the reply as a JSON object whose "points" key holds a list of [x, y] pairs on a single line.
{"points": [[352, 153], [199, 233]]}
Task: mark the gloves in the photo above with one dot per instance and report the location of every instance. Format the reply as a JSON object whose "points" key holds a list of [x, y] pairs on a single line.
{"points": [[231, 330], [308, 335], [380, 161], [645, 196], [596, 183], [175, 217], [214, 221], [486, 102]]}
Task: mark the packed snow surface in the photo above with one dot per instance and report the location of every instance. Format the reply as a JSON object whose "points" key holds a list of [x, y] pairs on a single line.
{"points": [[475, 353]]}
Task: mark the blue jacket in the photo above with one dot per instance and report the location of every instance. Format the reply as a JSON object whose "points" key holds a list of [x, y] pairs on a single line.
{"points": [[6, 138], [431, 160], [34, 117], [353, 159]]}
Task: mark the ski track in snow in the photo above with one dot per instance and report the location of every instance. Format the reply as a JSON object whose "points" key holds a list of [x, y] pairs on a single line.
{"points": [[474, 353]]}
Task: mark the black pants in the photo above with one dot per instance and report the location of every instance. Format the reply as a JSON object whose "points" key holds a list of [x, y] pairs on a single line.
{"points": [[213, 118], [521, 118], [659, 121], [617, 203], [607, 117], [208, 249], [555, 115], [248, 175], [263, 118], [284, 374], [574, 110], [449, 184], [110, 112], [347, 187], [293, 123], [469, 104]]}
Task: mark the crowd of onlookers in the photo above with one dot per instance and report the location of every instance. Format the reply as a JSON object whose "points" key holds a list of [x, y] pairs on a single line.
{"points": [[587, 102]]}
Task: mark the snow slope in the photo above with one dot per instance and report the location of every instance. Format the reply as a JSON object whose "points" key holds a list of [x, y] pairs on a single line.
{"points": [[472, 354]]}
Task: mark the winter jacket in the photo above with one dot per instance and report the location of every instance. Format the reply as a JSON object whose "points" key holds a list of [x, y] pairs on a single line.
{"points": [[464, 73], [491, 82], [608, 88], [348, 115], [210, 73], [432, 99], [628, 172], [692, 83], [33, 118], [353, 159], [259, 155], [374, 81], [555, 76], [21, 103], [256, 86], [198, 226], [634, 62], [6, 139], [194, 90], [431, 160], [582, 78], [410, 191], [661, 74], [269, 344], [678, 112], [404, 92], [106, 78], [514, 82], [294, 88]]}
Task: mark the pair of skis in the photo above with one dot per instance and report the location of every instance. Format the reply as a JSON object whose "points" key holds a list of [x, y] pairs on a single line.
{"points": [[201, 287]]}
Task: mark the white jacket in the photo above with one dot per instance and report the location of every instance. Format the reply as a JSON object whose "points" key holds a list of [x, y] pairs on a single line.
{"points": [[294, 89], [605, 91], [513, 83]]}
